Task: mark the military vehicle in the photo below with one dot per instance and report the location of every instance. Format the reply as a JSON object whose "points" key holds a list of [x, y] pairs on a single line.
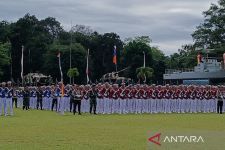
{"points": [[114, 77], [37, 78]]}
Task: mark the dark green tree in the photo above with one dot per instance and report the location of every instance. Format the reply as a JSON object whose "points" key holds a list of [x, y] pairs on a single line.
{"points": [[211, 32], [144, 73], [5, 59], [73, 73], [4, 31], [133, 56], [78, 54]]}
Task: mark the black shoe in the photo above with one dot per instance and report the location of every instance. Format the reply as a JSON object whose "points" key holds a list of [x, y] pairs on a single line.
{"points": [[79, 113]]}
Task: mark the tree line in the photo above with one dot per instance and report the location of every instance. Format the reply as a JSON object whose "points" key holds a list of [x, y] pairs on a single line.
{"points": [[43, 39]]}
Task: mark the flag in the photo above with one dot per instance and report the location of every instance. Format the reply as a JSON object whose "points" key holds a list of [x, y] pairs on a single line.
{"points": [[114, 56], [87, 71]]}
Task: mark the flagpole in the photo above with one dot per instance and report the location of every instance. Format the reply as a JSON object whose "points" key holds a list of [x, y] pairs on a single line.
{"points": [[70, 48], [11, 78], [144, 58], [87, 70], [22, 65], [144, 67]]}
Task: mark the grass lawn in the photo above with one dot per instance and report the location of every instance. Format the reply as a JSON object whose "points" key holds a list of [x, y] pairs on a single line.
{"points": [[30, 130]]}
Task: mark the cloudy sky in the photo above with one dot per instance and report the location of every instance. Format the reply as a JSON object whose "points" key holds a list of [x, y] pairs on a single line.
{"points": [[169, 23]]}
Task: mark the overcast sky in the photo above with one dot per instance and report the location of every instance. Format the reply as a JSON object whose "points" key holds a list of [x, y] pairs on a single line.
{"points": [[169, 23]]}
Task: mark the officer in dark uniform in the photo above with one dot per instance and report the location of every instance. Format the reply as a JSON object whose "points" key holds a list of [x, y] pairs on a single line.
{"points": [[39, 97], [70, 92], [219, 103], [93, 102], [26, 98]]}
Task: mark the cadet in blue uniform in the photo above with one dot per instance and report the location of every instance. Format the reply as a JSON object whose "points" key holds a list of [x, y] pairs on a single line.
{"points": [[49, 98], [44, 98], [8, 99], [33, 98], [4, 90]]}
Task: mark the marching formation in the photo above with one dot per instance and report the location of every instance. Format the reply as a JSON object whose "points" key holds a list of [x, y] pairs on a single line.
{"points": [[105, 98]]}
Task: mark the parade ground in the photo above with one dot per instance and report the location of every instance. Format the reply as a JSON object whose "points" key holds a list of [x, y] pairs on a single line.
{"points": [[35, 129]]}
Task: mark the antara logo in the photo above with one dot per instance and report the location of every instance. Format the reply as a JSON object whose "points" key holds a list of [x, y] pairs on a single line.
{"points": [[183, 139], [152, 139], [156, 139]]}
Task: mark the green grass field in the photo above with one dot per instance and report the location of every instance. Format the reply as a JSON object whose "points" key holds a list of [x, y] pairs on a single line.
{"points": [[29, 130]]}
